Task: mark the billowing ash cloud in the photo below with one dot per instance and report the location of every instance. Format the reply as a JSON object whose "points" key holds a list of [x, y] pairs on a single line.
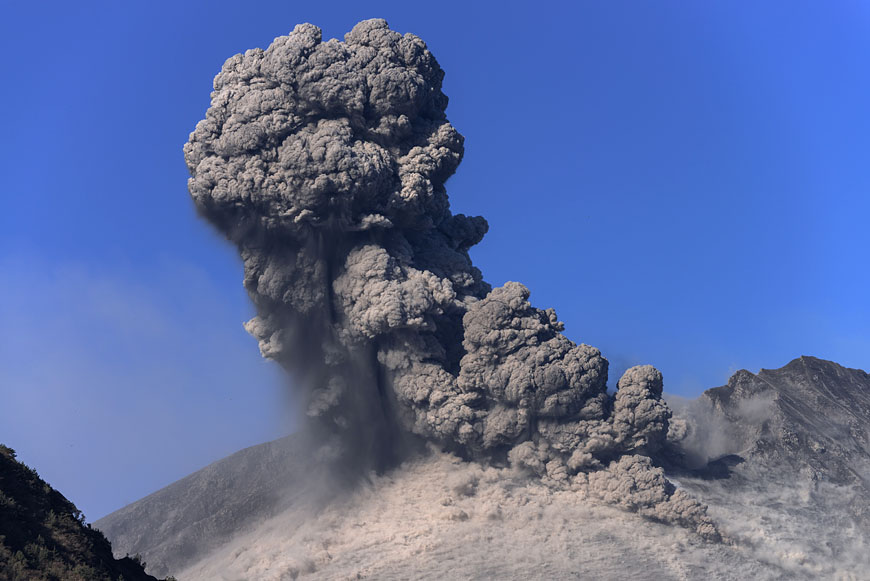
{"points": [[325, 163]]}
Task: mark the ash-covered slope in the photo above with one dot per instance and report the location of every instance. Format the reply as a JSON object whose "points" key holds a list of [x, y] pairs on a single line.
{"points": [[786, 485], [438, 517], [179, 524]]}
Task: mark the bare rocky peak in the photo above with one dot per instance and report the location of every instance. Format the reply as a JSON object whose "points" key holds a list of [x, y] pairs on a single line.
{"points": [[812, 414], [782, 459]]}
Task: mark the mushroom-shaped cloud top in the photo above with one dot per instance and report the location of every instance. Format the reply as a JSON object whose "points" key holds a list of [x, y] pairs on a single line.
{"points": [[326, 163]]}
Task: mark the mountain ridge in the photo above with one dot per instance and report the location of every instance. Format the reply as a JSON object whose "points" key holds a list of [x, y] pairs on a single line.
{"points": [[817, 416]]}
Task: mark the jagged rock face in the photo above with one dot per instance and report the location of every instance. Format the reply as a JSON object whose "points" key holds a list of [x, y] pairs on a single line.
{"points": [[811, 415], [782, 459]]}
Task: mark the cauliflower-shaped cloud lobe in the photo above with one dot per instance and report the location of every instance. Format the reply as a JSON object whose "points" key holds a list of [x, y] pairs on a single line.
{"points": [[325, 163]]}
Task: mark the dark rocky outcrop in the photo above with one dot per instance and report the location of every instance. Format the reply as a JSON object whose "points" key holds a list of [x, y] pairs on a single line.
{"points": [[43, 536]]}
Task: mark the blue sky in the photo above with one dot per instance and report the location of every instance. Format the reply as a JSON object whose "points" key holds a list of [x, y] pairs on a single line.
{"points": [[686, 183]]}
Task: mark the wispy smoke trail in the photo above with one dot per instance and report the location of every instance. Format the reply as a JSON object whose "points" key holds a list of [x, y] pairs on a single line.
{"points": [[325, 163]]}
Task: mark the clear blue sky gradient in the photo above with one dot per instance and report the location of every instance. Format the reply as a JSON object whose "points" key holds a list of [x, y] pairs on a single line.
{"points": [[685, 182]]}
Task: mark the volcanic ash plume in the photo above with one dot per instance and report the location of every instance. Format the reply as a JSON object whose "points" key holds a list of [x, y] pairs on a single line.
{"points": [[325, 163]]}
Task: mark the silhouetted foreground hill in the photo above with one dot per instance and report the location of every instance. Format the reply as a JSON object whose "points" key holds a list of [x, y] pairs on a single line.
{"points": [[43, 535]]}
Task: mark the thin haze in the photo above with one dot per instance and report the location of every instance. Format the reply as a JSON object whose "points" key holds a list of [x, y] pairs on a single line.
{"points": [[700, 168]]}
